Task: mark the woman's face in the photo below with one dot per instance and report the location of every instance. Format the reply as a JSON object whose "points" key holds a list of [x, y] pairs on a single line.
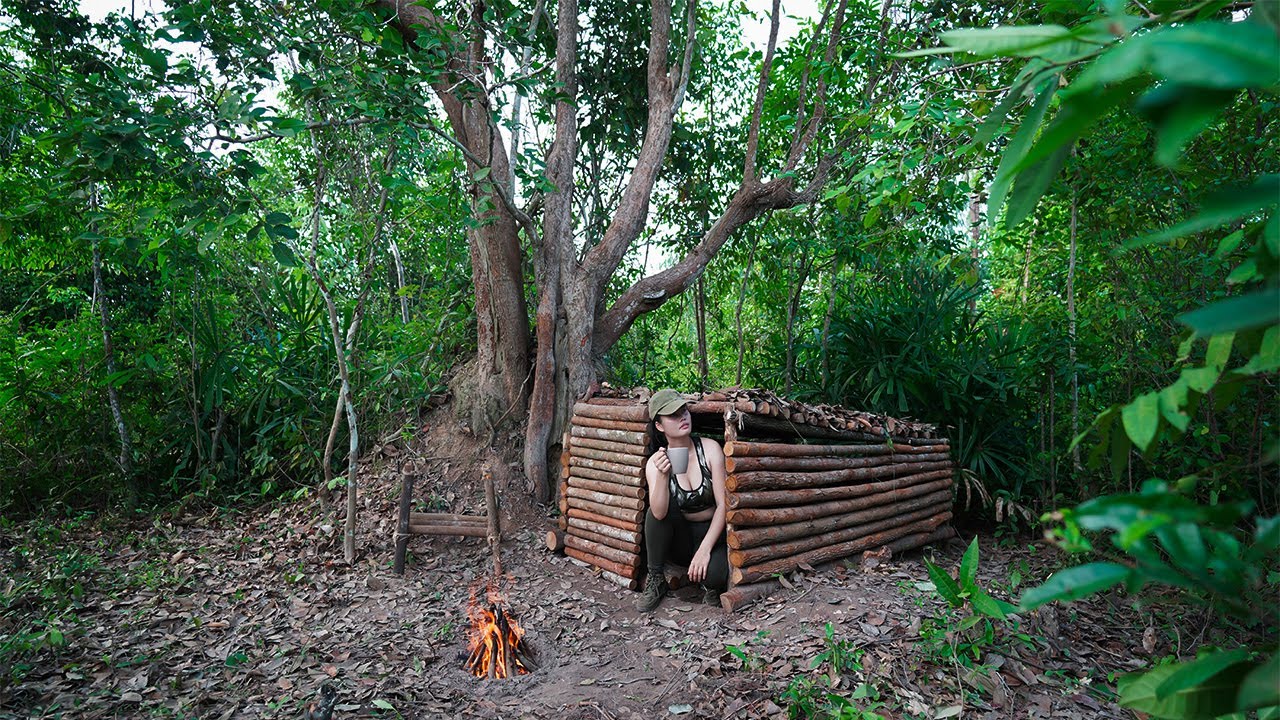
{"points": [[677, 424]]}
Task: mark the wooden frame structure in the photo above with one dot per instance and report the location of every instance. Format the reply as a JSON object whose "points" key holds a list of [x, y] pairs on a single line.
{"points": [[410, 523], [806, 485]]}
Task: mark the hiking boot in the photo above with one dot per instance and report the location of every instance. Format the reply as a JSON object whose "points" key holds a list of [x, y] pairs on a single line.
{"points": [[654, 588], [711, 596]]}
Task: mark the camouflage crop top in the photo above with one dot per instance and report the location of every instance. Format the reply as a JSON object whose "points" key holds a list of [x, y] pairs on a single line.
{"points": [[699, 499]]}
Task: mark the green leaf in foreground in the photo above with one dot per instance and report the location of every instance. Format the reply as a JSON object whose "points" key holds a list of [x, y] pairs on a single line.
{"points": [[1075, 583], [1257, 309], [1138, 691]]}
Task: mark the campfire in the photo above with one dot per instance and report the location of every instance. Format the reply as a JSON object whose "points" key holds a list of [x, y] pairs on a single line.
{"points": [[497, 649]]}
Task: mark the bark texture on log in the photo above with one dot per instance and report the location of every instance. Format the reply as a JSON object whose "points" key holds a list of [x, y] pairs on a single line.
{"points": [[769, 480], [835, 551], [555, 541], [576, 473], [609, 424], [420, 518], [636, 492], [607, 456], [621, 469], [627, 437], [778, 516], [616, 568], [600, 498], [739, 448], [632, 536], [905, 475], [626, 413], [458, 530], [603, 546], [935, 514], [747, 537], [589, 514], [634, 517], [817, 464], [617, 447]]}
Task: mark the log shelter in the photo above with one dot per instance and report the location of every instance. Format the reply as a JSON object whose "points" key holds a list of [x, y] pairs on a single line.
{"points": [[806, 485]]}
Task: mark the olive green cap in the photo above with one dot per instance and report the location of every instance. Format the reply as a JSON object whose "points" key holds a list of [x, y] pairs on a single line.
{"points": [[665, 402]]}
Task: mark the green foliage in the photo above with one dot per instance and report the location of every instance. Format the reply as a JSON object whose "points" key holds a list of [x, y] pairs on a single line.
{"points": [[806, 698]]}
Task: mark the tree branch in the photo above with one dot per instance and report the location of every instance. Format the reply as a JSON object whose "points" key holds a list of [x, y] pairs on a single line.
{"points": [[753, 132]]}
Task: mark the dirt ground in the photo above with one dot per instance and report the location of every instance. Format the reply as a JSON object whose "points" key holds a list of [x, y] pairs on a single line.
{"points": [[247, 615]]}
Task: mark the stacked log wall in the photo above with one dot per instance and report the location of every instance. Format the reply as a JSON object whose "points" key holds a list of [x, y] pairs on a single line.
{"points": [[602, 497]]}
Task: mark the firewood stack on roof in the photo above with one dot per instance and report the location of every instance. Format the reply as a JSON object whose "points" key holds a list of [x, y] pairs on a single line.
{"points": [[807, 484]]}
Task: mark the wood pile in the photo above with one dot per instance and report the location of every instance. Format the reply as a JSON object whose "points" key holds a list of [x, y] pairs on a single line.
{"points": [[807, 485], [602, 488]]}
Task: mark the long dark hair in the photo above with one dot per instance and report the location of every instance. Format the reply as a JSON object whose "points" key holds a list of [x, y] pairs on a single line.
{"points": [[655, 439]]}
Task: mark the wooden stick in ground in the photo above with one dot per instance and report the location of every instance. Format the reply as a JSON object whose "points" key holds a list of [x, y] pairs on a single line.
{"points": [[784, 481], [616, 568], [624, 524], [935, 513], [626, 515], [402, 526], [755, 573], [748, 537], [495, 529], [818, 464], [742, 449], [906, 474], [913, 487]]}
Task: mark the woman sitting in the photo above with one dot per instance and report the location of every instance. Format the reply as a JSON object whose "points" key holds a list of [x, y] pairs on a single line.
{"points": [[686, 516]]}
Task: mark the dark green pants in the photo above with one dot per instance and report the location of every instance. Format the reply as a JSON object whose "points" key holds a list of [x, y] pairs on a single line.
{"points": [[675, 539]]}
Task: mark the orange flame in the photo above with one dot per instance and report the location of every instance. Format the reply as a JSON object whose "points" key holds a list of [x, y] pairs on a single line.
{"points": [[495, 646]]}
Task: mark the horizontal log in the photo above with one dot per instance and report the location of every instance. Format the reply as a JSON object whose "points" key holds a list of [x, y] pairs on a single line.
{"points": [[934, 512], [739, 538], [456, 530], [611, 488], [860, 487], [624, 546], [778, 516], [754, 573], [738, 465], [631, 584], [587, 545], [743, 449], [632, 535], [574, 514], [627, 402], [603, 563], [619, 436], [608, 456], [620, 448], [739, 596], [626, 413], [606, 476], [555, 541], [421, 518], [605, 498], [765, 480], [604, 423], [632, 517], [630, 471]]}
